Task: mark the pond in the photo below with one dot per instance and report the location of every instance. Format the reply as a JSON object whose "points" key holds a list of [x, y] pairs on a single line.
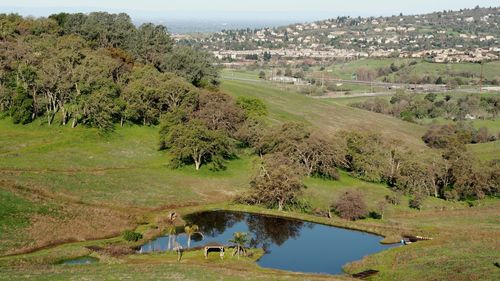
{"points": [[289, 244], [81, 260]]}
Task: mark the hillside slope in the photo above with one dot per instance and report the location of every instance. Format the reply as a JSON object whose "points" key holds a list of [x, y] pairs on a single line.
{"points": [[76, 184], [326, 116]]}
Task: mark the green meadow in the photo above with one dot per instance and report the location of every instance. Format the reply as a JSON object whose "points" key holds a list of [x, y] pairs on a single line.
{"points": [[64, 189]]}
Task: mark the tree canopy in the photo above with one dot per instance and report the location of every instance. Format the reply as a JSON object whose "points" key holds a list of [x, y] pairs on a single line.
{"points": [[96, 70], [278, 183]]}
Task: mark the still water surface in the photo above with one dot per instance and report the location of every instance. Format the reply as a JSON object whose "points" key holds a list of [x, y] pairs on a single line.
{"points": [[81, 260], [289, 244]]}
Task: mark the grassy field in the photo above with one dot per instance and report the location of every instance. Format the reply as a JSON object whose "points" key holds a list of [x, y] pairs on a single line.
{"points": [[76, 187], [490, 70], [122, 175], [86, 175], [346, 70], [465, 249], [313, 73], [322, 114], [108, 169], [486, 151], [493, 126], [15, 212]]}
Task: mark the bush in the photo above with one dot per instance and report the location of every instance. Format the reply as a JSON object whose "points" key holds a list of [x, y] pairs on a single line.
{"points": [[472, 203], [417, 201], [252, 107], [431, 97], [131, 236], [351, 205], [407, 116], [22, 107], [262, 75], [375, 215], [393, 199], [301, 206]]}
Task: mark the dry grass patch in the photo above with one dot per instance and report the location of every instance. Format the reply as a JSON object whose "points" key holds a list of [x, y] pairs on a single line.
{"points": [[58, 220]]}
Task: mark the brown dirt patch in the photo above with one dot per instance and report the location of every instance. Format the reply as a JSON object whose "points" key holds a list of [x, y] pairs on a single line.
{"points": [[66, 219]]}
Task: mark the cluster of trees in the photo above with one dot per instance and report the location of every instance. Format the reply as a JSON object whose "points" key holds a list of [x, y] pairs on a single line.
{"points": [[206, 128], [411, 107], [291, 152], [365, 74], [351, 205], [252, 57], [442, 136], [202, 130], [455, 174], [313, 153], [97, 70], [288, 72], [407, 73]]}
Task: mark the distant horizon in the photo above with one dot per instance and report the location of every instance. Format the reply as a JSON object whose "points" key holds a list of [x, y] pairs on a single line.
{"points": [[213, 19], [226, 10]]}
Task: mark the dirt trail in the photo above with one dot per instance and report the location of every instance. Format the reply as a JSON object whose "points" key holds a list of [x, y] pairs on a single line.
{"points": [[69, 170]]}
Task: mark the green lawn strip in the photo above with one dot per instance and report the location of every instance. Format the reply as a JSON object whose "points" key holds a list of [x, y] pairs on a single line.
{"points": [[486, 151]]}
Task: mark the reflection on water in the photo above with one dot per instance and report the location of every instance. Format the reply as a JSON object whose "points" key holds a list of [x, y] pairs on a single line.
{"points": [[271, 230], [215, 223], [289, 244]]}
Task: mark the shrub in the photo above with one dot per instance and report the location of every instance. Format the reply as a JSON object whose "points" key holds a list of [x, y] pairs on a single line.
{"points": [[472, 203], [375, 215], [417, 201], [262, 75], [302, 206], [393, 199], [131, 236], [252, 107], [351, 205], [407, 116], [430, 97], [22, 107]]}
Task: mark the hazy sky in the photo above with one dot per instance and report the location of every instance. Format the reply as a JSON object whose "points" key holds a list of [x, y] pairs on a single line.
{"points": [[244, 9]]}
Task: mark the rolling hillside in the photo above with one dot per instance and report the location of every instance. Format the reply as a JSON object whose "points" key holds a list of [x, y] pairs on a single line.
{"points": [[76, 175], [327, 116], [74, 185]]}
